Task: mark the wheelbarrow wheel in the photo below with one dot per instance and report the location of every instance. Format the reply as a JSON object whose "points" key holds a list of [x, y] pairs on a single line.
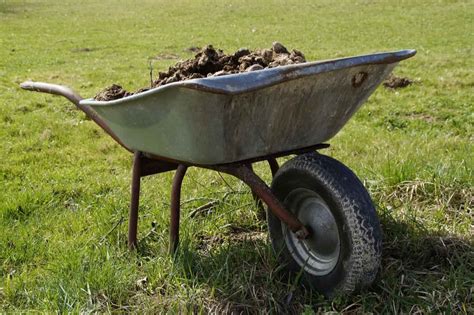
{"points": [[343, 252]]}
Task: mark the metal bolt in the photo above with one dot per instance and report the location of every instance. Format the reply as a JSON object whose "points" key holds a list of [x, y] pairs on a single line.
{"points": [[302, 233]]}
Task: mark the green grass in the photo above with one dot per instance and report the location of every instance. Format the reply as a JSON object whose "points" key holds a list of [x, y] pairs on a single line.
{"points": [[65, 184]]}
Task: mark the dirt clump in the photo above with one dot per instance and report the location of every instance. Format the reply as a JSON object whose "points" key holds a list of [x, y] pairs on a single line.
{"points": [[214, 62], [395, 82], [113, 92], [209, 62]]}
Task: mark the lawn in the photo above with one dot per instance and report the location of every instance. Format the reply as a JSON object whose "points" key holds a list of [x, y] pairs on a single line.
{"points": [[65, 184]]}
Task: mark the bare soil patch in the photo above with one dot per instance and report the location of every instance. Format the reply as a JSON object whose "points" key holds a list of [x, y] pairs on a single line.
{"points": [[395, 82]]}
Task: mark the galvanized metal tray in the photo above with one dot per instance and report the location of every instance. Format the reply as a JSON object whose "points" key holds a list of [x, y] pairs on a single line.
{"points": [[236, 117]]}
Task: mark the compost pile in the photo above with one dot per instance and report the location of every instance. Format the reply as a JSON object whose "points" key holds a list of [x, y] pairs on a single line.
{"points": [[209, 62]]}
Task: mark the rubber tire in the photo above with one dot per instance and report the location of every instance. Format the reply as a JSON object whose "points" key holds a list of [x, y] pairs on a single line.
{"points": [[358, 225]]}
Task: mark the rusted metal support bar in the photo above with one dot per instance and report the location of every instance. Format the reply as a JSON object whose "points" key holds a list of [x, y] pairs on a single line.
{"points": [[133, 220], [247, 161], [175, 207], [273, 165], [152, 166], [258, 201], [258, 186], [262, 214]]}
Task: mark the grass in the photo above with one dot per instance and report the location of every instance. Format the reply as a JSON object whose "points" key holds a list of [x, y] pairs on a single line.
{"points": [[65, 184]]}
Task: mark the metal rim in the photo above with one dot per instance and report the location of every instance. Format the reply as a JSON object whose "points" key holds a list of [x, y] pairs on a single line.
{"points": [[319, 253]]}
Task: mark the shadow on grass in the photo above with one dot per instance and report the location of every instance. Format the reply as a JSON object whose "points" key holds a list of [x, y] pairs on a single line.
{"points": [[240, 268], [420, 272], [415, 247]]}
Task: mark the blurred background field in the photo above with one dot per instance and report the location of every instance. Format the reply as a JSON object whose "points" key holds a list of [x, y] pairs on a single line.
{"points": [[65, 184]]}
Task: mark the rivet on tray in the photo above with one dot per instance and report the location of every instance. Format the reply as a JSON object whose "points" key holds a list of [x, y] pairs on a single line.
{"points": [[359, 78]]}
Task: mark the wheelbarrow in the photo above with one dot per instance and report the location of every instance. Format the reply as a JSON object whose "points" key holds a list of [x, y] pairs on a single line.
{"points": [[321, 219]]}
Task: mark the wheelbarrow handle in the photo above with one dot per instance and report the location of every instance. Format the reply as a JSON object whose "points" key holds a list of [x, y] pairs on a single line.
{"points": [[52, 89], [74, 98]]}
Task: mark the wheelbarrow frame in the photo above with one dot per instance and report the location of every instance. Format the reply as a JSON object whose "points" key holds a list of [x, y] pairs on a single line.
{"points": [[145, 165]]}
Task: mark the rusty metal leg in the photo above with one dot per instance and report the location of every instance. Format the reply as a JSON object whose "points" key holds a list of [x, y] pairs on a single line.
{"points": [[133, 220], [258, 186], [273, 166], [261, 215], [254, 195], [175, 207]]}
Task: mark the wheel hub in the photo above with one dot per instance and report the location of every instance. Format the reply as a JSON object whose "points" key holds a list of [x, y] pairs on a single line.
{"points": [[319, 252]]}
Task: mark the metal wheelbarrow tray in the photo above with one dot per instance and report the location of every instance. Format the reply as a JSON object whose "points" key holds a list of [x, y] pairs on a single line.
{"points": [[322, 219]]}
